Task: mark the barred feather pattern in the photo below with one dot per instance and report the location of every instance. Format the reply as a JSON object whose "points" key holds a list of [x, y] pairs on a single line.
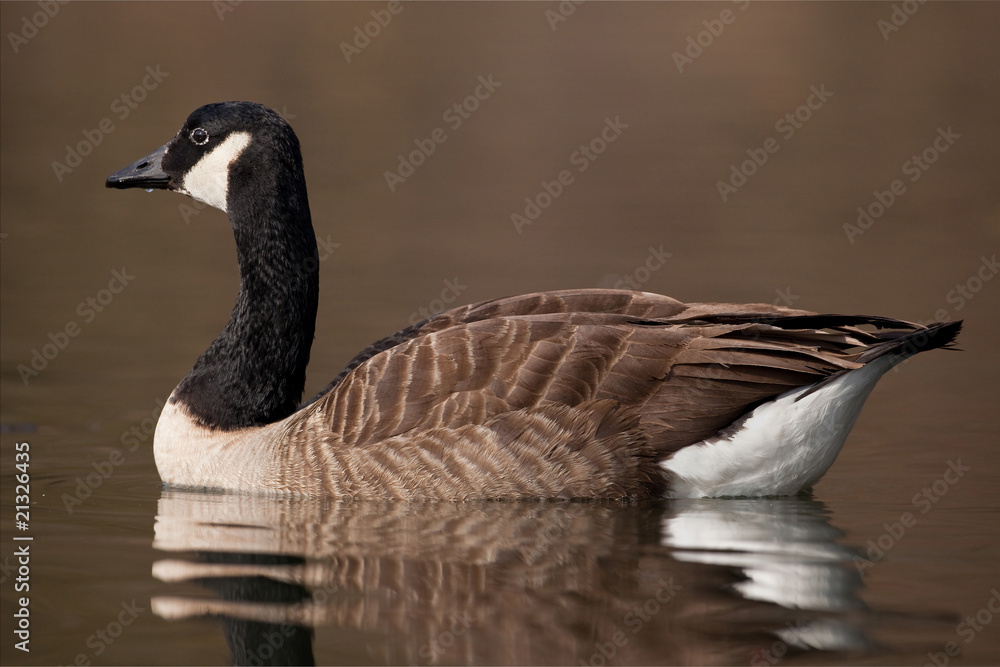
{"points": [[563, 394]]}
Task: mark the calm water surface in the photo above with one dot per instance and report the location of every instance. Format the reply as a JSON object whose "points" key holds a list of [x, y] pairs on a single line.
{"points": [[892, 558]]}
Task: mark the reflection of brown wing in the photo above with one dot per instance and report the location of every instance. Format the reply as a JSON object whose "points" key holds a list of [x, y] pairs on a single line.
{"points": [[506, 583]]}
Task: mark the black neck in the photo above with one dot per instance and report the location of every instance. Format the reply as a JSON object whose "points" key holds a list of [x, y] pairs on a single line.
{"points": [[254, 373]]}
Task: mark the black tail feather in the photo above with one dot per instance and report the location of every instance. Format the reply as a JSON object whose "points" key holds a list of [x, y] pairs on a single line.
{"points": [[937, 335], [904, 343]]}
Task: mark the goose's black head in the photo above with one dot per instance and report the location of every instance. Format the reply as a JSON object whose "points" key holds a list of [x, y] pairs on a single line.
{"points": [[220, 148], [244, 159]]}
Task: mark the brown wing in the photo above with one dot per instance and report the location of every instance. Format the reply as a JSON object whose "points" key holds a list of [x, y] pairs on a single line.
{"points": [[572, 394], [689, 371]]}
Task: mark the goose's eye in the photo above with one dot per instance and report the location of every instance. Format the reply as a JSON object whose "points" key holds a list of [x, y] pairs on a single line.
{"points": [[199, 136]]}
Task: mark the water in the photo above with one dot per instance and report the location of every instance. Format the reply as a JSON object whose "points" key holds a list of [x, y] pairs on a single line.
{"points": [[219, 578], [891, 560]]}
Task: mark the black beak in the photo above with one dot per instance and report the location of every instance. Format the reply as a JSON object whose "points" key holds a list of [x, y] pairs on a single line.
{"points": [[146, 173]]}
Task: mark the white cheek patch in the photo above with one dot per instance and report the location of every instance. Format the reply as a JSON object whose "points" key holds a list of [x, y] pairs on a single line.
{"points": [[208, 180]]}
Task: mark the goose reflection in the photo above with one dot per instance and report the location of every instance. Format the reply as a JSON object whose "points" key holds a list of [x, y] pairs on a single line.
{"points": [[508, 582], [786, 552]]}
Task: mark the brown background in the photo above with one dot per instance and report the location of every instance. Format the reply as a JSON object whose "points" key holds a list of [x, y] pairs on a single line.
{"points": [[779, 237]]}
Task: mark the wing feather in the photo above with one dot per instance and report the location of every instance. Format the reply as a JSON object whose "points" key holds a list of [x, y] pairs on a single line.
{"points": [[574, 394]]}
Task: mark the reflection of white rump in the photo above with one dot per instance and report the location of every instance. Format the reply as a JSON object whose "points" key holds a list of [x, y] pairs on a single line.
{"points": [[788, 555]]}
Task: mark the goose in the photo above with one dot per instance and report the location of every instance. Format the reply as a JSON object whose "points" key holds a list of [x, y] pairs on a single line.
{"points": [[586, 393]]}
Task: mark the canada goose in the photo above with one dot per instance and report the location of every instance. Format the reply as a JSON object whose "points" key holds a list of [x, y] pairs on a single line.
{"points": [[581, 393]]}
